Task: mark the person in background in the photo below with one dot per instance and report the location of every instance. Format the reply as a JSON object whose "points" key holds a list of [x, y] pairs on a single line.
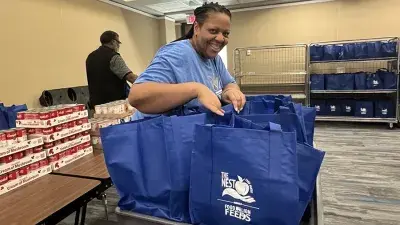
{"points": [[107, 72], [189, 71]]}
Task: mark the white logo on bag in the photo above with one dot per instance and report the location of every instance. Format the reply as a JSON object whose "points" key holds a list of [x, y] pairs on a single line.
{"points": [[333, 108], [375, 83], [348, 108], [384, 111], [318, 108], [363, 111], [239, 189]]}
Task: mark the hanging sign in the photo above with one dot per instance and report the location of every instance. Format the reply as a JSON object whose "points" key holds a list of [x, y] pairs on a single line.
{"points": [[190, 19]]}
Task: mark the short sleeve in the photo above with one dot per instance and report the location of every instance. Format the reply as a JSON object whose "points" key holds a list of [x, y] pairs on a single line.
{"points": [[119, 67], [162, 69], [226, 77]]}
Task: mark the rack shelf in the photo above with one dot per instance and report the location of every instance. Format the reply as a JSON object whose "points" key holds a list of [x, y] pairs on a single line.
{"points": [[357, 60], [377, 101], [385, 91], [355, 119]]}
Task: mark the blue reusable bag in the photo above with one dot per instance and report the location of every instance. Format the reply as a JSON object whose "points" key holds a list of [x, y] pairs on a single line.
{"points": [[316, 52], [389, 48], [361, 50], [374, 81], [384, 109], [330, 53], [389, 79], [320, 106], [340, 81], [8, 115], [243, 176], [149, 163], [339, 49], [317, 82], [374, 49], [348, 51], [360, 81], [309, 164]]}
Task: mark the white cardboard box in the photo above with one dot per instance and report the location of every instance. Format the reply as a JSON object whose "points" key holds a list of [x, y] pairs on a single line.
{"points": [[21, 146], [27, 160], [52, 122], [71, 158], [70, 144], [64, 133], [22, 180]]}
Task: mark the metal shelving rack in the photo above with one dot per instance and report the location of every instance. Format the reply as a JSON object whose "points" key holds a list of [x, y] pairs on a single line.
{"points": [[353, 66], [277, 69]]}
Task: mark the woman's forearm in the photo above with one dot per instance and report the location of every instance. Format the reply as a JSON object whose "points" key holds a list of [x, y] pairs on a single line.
{"points": [[155, 98]]}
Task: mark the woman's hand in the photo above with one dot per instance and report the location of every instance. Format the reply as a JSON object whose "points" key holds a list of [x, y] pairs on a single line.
{"points": [[234, 96], [208, 99]]}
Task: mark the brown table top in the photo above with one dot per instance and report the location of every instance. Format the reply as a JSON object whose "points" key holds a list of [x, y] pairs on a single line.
{"points": [[91, 166], [35, 201]]}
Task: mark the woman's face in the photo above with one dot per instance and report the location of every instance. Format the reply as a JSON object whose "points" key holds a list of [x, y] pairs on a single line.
{"points": [[211, 37]]}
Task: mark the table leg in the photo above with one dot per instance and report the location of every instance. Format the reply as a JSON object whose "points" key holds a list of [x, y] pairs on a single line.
{"points": [[78, 212], [83, 214], [104, 199]]}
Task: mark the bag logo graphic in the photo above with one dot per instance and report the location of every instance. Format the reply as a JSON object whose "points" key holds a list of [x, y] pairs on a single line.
{"points": [[363, 111], [348, 109], [384, 111], [375, 83], [216, 85], [333, 108], [240, 189], [318, 108]]}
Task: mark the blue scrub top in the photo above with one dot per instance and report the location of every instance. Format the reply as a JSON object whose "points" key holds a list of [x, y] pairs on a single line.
{"points": [[178, 62]]}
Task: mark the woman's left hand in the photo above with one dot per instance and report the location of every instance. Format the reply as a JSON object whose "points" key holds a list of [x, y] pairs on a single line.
{"points": [[235, 97]]}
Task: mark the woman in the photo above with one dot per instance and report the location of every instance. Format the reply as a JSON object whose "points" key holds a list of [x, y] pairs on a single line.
{"points": [[189, 71]]}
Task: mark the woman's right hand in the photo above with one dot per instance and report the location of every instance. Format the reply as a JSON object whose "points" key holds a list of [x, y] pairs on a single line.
{"points": [[209, 99]]}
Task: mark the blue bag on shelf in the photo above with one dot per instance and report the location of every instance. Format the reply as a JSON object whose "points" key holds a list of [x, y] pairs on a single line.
{"points": [[339, 49], [360, 81], [255, 168], [364, 109], [347, 107], [333, 107], [316, 52], [361, 50], [330, 53], [348, 51], [332, 82], [374, 81], [340, 81], [389, 48], [320, 106], [389, 79], [384, 109], [317, 82], [374, 49]]}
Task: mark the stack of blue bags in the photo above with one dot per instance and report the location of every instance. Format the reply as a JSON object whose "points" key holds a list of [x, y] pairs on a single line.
{"points": [[258, 166], [351, 51], [381, 79], [8, 115]]}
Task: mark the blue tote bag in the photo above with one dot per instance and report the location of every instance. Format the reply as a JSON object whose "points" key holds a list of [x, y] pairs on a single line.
{"points": [[243, 176], [149, 163], [309, 158]]}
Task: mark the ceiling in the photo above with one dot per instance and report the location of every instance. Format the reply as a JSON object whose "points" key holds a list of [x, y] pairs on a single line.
{"points": [[178, 9]]}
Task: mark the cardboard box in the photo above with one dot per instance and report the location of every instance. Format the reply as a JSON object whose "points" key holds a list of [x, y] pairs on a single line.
{"points": [[71, 158], [22, 180], [22, 146]]}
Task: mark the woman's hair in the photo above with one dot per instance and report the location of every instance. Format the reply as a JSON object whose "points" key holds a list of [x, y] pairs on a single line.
{"points": [[201, 13]]}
